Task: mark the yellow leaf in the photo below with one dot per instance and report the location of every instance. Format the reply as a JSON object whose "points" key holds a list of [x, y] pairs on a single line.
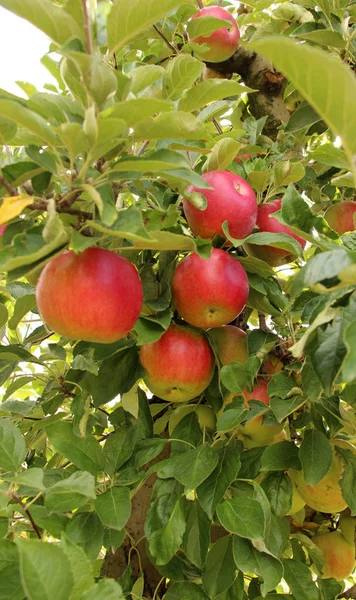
{"points": [[12, 207]]}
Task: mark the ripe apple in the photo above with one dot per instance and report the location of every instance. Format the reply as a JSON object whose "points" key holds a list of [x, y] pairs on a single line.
{"points": [[240, 159], [326, 495], [179, 366], [338, 555], [341, 216], [209, 292], [255, 433], [94, 296], [232, 199], [205, 414], [266, 223], [222, 42], [230, 343]]}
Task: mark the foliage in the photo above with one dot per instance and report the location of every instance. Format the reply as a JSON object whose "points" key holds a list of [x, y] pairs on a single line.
{"points": [[103, 158]]}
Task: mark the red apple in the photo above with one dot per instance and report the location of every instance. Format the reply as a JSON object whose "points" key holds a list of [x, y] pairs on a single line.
{"points": [[222, 42], [180, 365], [341, 216], [266, 223], [209, 292], [2, 229], [94, 296], [232, 199], [242, 158], [230, 344]]}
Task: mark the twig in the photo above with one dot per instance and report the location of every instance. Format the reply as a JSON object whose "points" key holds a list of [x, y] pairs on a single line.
{"points": [[143, 147], [10, 188], [262, 322], [350, 593], [30, 517], [217, 125], [165, 39], [61, 209], [200, 3], [87, 27]]}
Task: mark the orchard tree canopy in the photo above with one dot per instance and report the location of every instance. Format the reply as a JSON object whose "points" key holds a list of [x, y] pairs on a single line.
{"points": [[178, 303]]}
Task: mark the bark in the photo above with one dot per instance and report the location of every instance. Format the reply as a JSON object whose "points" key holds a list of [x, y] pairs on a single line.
{"points": [[258, 73], [350, 593]]}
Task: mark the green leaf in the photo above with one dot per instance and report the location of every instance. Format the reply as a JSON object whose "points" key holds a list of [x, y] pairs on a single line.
{"points": [[212, 490], [326, 351], [349, 364], [114, 507], [328, 154], [180, 74], [296, 213], [276, 240], [247, 558], [71, 493], [222, 154], [160, 160], [299, 578], [10, 572], [12, 446], [80, 565], [86, 530], [117, 375], [105, 589], [98, 78], [127, 18], [32, 478], [220, 569], [175, 125], [23, 305], [348, 480], [136, 109], [286, 172], [282, 407], [184, 590], [28, 119], [45, 570], [242, 516], [165, 542], [278, 488], [233, 377], [144, 76], [315, 455], [325, 37], [322, 84], [50, 18], [280, 457], [303, 116], [190, 468], [196, 538], [232, 416], [85, 453], [210, 91], [119, 447]]}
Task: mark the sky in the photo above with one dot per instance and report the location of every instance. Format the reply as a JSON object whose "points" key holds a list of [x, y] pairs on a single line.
{"points": [[21, 49]]}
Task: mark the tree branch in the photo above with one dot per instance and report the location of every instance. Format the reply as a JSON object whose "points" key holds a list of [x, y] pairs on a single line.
{"points": [[87, 27], [10, 188], [28, 514], [42, 206], [350, 593], [258, 73], [168, 43]]}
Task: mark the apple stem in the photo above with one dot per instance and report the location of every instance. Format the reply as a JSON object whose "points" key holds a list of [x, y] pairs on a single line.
{"points": [[200, 3]]}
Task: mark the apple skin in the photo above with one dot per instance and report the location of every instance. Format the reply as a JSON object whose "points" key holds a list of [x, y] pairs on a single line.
{"points": [[2, 229], [179, 366], [230, 343], [338, 554], [205, 414], [341, 216], [297, 501], [274, 256], [95, 296], [232, 199], [254, 433], [326, 495], [272, 365], [209, 292], [222, 42], [240, 159]]}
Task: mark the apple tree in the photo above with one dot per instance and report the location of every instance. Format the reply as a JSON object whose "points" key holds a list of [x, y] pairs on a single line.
{"points": [[178, 303]]}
